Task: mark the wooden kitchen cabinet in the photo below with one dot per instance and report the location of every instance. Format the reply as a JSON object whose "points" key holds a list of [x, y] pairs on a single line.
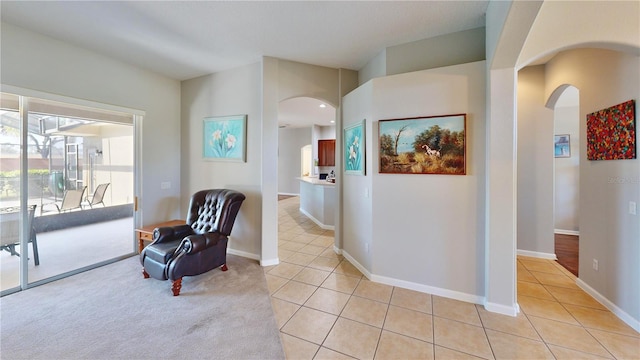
{"points": [[327, 152]]}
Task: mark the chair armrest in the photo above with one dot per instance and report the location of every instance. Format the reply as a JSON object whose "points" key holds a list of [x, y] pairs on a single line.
{"points": [[170, 233], [196, 243]]}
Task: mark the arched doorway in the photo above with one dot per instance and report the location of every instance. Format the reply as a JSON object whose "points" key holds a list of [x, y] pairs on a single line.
{"points": [[304, 123], [566, 176]]}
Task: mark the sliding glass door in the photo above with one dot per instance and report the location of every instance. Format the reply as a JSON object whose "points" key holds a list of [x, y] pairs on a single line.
{"points": [[67, 177]]}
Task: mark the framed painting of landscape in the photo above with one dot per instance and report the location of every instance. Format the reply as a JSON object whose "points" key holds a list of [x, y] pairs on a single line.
{"points": [[423, 145]]}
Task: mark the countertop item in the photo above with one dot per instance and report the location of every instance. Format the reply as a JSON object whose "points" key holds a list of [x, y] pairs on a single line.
{"points": [[316, 181]]}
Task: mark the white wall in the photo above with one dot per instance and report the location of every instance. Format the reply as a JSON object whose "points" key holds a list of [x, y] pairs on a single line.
{"points": [[566, 119], [357, 190], [231, 92], [445, 50], [427, 231], [37, 62], [608, 232], [535, 166], [290, 143]]}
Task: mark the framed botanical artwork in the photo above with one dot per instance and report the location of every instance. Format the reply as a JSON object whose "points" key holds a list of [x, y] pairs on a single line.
{"points": [[611, 133], [562, 146], [423, 145], [225, 138], [354, 149]]}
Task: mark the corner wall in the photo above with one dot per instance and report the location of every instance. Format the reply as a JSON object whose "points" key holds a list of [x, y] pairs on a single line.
{"points": [[231, 92], [535, 166], [426, 231]]}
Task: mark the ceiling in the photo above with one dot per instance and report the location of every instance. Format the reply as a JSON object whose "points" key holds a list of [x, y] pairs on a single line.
{"points": [[305, 112], [187, 39]]}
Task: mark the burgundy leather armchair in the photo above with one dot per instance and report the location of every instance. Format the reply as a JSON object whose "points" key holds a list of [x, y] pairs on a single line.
{"points": [[198, 246]]}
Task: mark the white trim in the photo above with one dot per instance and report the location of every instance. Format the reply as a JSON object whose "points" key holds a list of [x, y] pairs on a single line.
{"points": [[288, 194], [16, 90], [452, 294], [628, 319], [566, 232], [358, 266], [269, 262], [502, 309], [337, 251], [537, 254], [243, 254], [266, 262], [323, 226]]}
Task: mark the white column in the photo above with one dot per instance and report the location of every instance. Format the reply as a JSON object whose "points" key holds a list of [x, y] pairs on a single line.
{"points": [[500, 293], [269, 181]]}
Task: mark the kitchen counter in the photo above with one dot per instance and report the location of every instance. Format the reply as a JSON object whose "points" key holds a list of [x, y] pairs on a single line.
{"points": [[318, 201], [316, 181]]}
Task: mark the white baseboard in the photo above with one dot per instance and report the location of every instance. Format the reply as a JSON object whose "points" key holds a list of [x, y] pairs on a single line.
{"points": [[243, 254], [358, 266], [248, 255], [269, 262], [502, 309], [288, 194], [621, 314], [471, 298], [321, 225], [537, 254], [566, 232]]}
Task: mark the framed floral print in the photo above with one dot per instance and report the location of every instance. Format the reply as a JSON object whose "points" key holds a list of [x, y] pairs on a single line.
{"points": [[354, 149], [225, 138]]}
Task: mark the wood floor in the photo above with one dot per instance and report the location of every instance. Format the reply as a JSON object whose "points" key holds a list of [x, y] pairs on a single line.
{"points": [[566, 247]]}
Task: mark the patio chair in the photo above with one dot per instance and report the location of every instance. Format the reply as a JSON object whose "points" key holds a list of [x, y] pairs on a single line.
{"points": [[72, 200], [98, 195], [10, 232]]}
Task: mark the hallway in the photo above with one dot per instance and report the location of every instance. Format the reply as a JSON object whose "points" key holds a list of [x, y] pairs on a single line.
{"points": [[326, 309]]}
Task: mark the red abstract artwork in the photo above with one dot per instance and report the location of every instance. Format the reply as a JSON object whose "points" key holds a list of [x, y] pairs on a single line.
{"points": [[611, 133]]}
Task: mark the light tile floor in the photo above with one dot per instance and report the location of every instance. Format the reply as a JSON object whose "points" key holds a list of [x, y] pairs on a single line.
{"points": [[326, 309]]}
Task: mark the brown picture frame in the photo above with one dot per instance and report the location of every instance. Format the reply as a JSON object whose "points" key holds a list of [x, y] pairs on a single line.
{"points": [[423, 145]]}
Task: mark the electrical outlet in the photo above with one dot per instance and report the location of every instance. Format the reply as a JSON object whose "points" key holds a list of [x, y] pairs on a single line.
{"points": [[165, 185], [595, 264]]}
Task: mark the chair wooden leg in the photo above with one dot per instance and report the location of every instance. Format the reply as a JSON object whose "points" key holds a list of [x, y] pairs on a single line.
{"points": [[145, 274], [224, 267], [176, 285]]}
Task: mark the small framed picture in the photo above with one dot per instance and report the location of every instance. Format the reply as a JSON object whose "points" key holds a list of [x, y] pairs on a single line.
{"points": [[225, 138], [354, 149], [561, 146]]}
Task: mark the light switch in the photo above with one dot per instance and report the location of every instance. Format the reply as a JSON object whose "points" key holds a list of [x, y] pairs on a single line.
{"points": [[632, 207], [366, 192]]}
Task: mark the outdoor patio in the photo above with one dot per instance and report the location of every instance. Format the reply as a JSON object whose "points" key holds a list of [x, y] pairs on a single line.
{"points": [[71, 248]]}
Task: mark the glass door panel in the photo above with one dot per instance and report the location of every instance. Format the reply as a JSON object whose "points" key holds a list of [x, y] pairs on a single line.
{"points": [[71, 151], [10, 217]]}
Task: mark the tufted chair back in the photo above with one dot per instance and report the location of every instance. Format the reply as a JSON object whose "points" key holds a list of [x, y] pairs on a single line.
{"points": [[214, 210]]}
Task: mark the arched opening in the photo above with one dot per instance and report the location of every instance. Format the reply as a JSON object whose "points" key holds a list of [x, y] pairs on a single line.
{"points": [[305, 214], [566, 175]]}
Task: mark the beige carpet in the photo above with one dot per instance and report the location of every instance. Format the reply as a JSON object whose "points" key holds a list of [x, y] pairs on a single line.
{"points": [[113, 313]]}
